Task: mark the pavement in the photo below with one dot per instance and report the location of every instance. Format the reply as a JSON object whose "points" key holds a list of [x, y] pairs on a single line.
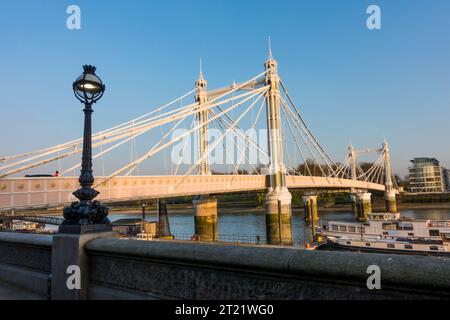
{"points": [[10, 292]]}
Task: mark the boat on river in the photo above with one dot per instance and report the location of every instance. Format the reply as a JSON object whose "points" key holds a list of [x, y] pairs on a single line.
{"points": [[389, 233]]}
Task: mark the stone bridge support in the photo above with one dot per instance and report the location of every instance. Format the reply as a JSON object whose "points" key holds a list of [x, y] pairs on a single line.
{"points": [[205, 211], [362, 205], [278, 199], [389, 194], [390, 201], [163, 229], [310, 208], [205, 206], [279, 217]]}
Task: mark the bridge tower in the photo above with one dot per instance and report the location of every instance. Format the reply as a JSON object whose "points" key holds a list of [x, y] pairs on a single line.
{"points": [[205, 206], [278, 198], [201, 97], [352, 157], [361, 201], [389, 193]]}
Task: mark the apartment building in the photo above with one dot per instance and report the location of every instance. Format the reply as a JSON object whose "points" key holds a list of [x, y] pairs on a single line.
{"points": [[426, 175]]}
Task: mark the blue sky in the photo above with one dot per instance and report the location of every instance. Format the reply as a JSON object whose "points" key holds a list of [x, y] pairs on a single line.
{"points": [[352, 83]]}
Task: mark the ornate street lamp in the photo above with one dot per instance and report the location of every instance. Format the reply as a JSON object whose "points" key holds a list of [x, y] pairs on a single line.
{"points": [[88, 88]]}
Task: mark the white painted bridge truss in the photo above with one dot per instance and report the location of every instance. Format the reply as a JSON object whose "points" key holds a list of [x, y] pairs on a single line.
{"points": [[231, 110]]}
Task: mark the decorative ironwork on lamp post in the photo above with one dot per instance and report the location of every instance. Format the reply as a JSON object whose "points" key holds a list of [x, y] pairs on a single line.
{"points": [[88, 89]]}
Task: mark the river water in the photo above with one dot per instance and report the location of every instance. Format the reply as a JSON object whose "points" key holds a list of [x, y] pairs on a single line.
{"points": [[244, 224]]}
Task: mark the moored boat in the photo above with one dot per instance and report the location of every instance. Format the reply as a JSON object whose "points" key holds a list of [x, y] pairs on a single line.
{"points": [[389, 233]]}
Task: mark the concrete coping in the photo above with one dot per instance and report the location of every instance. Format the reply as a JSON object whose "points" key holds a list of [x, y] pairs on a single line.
{"points": [[397, 271], [42, 240]]}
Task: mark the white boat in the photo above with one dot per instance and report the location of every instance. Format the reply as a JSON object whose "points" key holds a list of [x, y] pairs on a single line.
{"points": [[385, 232], [144, 236]]}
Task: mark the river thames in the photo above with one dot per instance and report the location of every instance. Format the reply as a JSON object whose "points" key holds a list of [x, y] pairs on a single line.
{"points": [[245, 224]]}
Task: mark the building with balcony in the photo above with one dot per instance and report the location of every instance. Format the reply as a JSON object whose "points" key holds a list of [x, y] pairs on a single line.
{"points": [[426, 175], [447, 179]]}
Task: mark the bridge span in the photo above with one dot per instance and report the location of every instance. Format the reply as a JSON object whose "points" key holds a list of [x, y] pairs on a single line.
{"points": [[292, 159], [17, 193]]}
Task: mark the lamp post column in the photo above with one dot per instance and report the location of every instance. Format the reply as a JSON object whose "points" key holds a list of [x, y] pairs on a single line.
{"points": [[86, 219]]}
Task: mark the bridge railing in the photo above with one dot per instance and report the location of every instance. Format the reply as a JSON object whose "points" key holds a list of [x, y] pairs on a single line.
{"points": [[40, 192], [131, 269]]}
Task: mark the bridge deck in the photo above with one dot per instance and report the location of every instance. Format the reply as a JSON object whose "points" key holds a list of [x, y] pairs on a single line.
{"points": [[45, 192]]}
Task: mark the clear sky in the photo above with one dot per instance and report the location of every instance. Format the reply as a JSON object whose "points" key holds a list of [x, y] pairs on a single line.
{"points": [[353, 83]]}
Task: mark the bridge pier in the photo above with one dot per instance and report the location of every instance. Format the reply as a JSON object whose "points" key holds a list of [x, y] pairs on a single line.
{"points": [[389, 194], [279, 217], [390, 201], [310, 208], [163, 220], [205, 210], [362, 205]]}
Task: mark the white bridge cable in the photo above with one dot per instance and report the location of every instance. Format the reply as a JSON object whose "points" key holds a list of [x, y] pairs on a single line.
{"points": [[231, 90], [184, 147], [195, 106], [224, 125], [219, 140], [227, 156], [286, 147], [310, 134], [192, 110], [103, 137], [175, 126], [128, 129], [292, 118], [151, 153], [343, 169], [296, 142], [132, 152], [121, 131], [252, 127], [359, 171], [242, 133], [367, 175], [247, 138], [186, 111], [220, 119], [372, 177], [379, 177], [80, 140], [244, 137], [62, 156], [103, 152], [306, 135]]}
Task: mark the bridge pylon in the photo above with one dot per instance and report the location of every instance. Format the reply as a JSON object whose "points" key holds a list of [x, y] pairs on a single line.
{"points": [[352, 157], [278, 198], [310, 208], [361, 201], [389, 193], [205, 206], [201, 97], [362, 205]]}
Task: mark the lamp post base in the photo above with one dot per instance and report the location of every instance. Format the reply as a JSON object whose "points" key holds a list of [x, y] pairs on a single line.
{"points": [[84, 229], [85, 213]]}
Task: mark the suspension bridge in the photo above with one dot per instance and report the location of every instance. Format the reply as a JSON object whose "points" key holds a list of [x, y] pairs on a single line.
{"points": [[292, 158]]}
